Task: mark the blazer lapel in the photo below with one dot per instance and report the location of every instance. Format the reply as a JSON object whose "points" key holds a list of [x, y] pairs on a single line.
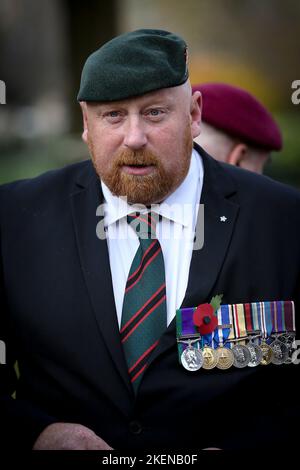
{"points": [[218, 199], [95, 265], [220, 214]]}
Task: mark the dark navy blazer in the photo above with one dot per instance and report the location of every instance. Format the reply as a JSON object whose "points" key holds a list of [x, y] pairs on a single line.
{"points": [[58, 317]]}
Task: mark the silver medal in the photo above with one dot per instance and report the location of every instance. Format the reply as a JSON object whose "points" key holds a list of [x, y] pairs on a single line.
{"points": [[192, 359], [242, 355], [289, 341], [256, 355], [280, 352]]}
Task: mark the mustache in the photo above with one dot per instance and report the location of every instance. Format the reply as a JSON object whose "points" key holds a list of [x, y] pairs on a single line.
{"points": [[136, 157]]}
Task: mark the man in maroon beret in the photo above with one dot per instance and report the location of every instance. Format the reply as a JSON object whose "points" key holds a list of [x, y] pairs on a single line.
{"points": [[236, 127]]}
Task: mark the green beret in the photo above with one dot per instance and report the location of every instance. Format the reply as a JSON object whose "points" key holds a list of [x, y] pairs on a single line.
{"points": [[133, 64]]}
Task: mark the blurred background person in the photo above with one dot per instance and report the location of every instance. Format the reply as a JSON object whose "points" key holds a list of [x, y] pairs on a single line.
{"points": [[236, 127]]}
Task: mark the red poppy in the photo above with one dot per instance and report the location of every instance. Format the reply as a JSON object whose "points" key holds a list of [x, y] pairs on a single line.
{"points": [[205, 319]]}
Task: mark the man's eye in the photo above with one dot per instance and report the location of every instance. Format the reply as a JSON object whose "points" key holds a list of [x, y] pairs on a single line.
{"points": [[113, 114], [155, 113]]}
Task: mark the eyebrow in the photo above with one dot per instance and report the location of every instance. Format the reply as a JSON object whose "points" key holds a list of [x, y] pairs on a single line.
{"points": [[145, 101]]}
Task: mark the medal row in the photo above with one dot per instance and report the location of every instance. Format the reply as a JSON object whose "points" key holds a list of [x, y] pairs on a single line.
{"points": [[239, 335], [278, 352]]}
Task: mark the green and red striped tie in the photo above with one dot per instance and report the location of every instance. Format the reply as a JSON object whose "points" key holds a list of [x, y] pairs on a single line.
{"points": [[144, 314]]}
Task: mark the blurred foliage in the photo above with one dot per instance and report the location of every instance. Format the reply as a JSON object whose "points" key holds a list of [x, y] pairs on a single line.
{"points": [[285, 165], [226, 68], [28, 158]]}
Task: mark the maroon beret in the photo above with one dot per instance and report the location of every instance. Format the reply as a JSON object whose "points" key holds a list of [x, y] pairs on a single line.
{"points": [[239, 114]]}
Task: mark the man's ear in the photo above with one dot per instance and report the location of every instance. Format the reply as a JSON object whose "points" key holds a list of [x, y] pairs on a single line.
{"points": [[195, 113], [84, 117], [248, 159], [237, 155]]}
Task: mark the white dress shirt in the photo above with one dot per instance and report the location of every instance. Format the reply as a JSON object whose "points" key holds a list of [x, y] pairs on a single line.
{"points": [[175, 232]]}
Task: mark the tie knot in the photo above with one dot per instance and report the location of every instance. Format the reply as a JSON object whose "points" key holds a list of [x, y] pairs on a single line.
{"points": [[144, 225]]}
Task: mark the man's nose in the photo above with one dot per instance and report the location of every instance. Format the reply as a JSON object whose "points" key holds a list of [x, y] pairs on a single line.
{"points": [[135, 135]]}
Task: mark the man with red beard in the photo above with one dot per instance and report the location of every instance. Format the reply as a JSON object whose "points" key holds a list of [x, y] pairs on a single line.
{"points": [[95, 317], [141, 147]]}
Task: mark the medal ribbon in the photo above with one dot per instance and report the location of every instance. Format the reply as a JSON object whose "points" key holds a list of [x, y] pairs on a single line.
{"points": [[220, 335], [185, 327], [278, 317], [239, 329], [207, 339], [253, 312], [266, 320], [283, 316], [289, 313]]}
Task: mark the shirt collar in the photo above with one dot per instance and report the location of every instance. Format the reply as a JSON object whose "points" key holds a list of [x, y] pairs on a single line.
{"points": [[178, 207]]}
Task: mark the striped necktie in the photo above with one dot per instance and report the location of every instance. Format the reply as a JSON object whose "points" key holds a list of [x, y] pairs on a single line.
{"points": [[144, 314]]}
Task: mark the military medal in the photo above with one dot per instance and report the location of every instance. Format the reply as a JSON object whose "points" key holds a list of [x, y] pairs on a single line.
{"points": [[210, 358], [289, 341], [253, 325], [225, 357], [242, 355], [267, 353], [283, 317], [280, 352], [191, 358], [266, 329], [239, 334], [255, 354], [291, 330], [188, 340]]}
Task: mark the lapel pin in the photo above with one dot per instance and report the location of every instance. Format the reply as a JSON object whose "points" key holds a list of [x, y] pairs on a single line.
{"points": [[223, 218]]}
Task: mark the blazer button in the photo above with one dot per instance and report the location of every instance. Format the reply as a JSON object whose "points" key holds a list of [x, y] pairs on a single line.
{"points": [[135, 427]]}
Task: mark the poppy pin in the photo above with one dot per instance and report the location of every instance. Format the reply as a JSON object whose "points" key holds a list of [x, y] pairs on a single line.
{"points": [[205, 316]]}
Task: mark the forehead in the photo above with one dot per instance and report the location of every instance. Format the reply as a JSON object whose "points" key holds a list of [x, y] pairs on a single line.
{"points": [[167, 96]]}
